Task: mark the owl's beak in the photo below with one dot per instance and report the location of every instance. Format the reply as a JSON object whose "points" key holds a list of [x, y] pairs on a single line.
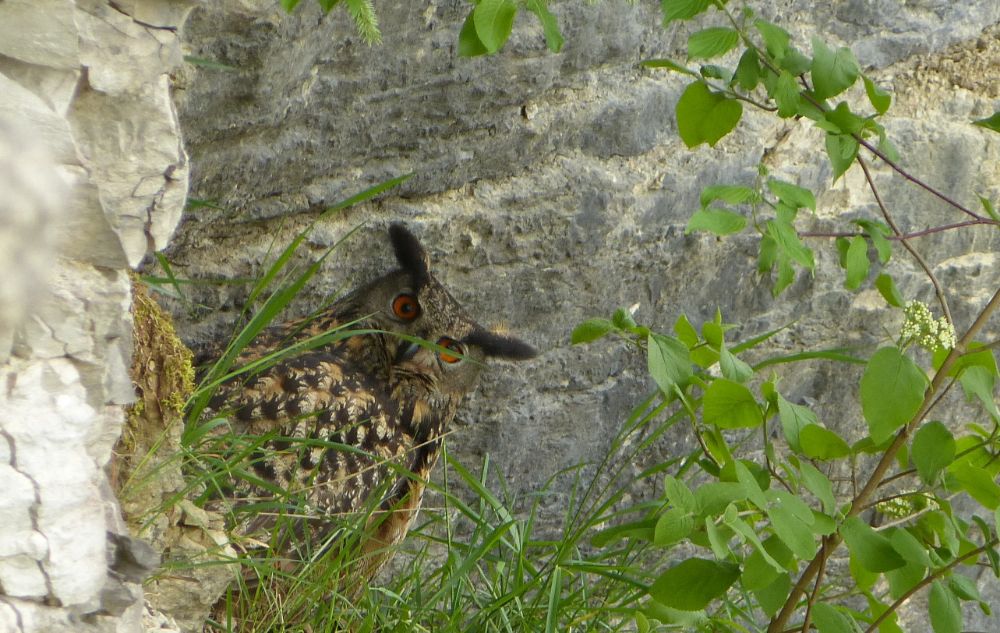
{"points": [[406, 351]]}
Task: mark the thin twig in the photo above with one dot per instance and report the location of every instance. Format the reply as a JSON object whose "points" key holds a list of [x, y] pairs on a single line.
{"points": [[906, 236], [815, 592], [938, 290], [899, 170], [901, 495]]}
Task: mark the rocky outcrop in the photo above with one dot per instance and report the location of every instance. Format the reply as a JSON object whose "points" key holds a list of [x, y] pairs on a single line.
{"points": [[550, 188], [94, 176]]}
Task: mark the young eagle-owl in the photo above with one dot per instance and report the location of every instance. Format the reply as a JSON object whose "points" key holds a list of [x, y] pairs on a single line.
{"points": [[355, 424]]}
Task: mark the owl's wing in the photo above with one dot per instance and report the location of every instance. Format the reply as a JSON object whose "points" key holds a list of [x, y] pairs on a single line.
{"points": [[324, 437]]}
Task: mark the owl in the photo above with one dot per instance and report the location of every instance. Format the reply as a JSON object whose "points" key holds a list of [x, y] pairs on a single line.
{"points": [[355, 425]]}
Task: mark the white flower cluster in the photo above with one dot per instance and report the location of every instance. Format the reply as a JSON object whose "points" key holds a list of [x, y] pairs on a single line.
{"points": [[921, 328]]}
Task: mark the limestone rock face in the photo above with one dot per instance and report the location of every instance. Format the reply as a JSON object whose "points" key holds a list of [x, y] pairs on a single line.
{"points": [[552, 188], [93, 175], [548, 188]]}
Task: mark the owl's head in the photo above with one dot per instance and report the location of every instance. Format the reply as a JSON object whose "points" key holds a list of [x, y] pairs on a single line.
{"points": [[410, 301]]}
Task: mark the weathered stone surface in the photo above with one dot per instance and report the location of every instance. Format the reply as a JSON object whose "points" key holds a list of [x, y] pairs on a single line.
{"points": [[93, 175], [552, 188], [42, 32]]}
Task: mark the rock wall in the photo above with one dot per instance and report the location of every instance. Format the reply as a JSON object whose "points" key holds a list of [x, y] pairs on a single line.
{"points": [[93, 176], [548, 188], [551, 188]]}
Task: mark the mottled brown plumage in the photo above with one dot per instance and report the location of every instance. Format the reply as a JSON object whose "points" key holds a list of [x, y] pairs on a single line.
{"points": [[357, 423]]}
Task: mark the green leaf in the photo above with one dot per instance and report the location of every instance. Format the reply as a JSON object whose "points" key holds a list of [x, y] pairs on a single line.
{"points": [[795, 62], [694, 583], [988, 207], [933, 450], [718, 539], [786, 95], [672, 526], [785, 276], [964, 587], [830, 619], [622, 319], [795, 506], [704, 116], [874, 551], [821, 443], [880, 99], [748, 70], [714, 71], [638, 530], [740, 470], [978, 482], [761, 567], [792, 530], [469, 44], [641, 622], [841, 119], [550, 26], [788, 242], [977, 382], [912, 550], [668, 362], [892, 390], [841, 150], [327, 5], [732, 367], [944, 609], [904, 578], [818, 484], [865, 579], [730, 405], [772, 597], [990, 123], [887, 287], [713, 497], [679, 495], [717, 221], [591, 330], [832, 72], [682, 9], [976, 356], [758, 572], [494, 20], [794, 417], [793, 195], [712, 42], [685, 331], [289, 5], [775, 38], [731, 194], [877, 232], [843, 245], [857, 263]]}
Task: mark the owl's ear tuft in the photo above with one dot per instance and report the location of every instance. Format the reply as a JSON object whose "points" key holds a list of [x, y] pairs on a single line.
{"points": [[410, 254], [501, 345]]}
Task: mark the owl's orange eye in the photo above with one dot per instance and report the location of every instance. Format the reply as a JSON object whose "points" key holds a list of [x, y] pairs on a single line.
{"points": [[406, 307], [453, 345]]}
